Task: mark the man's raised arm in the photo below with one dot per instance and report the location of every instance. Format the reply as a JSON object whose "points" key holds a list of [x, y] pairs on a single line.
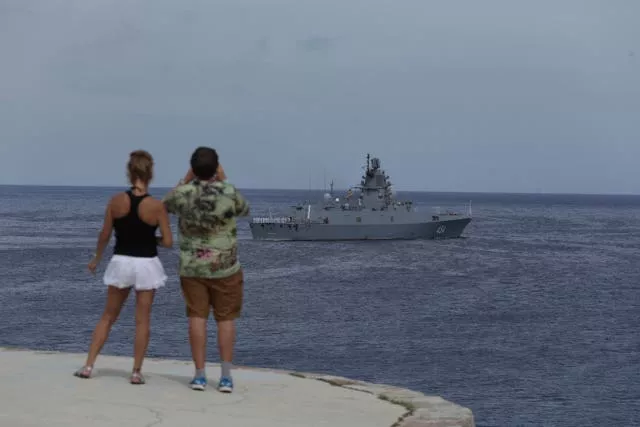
{"points": [[173, 200], [241, 204]]}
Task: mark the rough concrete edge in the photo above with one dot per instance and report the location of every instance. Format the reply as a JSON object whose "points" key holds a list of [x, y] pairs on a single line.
{"points": [[421, 410]]}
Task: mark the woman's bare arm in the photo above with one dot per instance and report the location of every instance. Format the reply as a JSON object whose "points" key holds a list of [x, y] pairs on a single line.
{"points": [[165, 226], [103, 237], [105, 233]]}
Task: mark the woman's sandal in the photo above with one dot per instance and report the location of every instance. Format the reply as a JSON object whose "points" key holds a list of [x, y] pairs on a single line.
{"points": [[137, 378], [84, 372]]}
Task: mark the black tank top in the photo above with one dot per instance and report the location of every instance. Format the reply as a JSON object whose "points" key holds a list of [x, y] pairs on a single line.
{"points": [[134, 237]]}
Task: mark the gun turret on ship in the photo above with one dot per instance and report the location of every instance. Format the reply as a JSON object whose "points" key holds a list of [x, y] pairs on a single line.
{"points": [[371, 212]]}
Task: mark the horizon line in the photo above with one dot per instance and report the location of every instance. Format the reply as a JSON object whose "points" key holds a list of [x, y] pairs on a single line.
{"points": [[320, 189]]}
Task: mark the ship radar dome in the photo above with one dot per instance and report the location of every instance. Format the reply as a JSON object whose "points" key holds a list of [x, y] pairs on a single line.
{"points": [[327, 197]]}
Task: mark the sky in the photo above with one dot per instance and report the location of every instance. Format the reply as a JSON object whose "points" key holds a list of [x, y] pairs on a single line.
{"points": [[465, 95]]}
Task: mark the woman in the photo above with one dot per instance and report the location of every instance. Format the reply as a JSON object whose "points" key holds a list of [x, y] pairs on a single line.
{"points": [[135, 216]]}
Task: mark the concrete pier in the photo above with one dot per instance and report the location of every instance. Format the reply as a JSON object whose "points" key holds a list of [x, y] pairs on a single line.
{"points": [[38, 389]]}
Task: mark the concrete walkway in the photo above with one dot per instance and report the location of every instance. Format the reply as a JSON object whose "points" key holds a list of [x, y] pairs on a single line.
{"points": [[38, 389]]}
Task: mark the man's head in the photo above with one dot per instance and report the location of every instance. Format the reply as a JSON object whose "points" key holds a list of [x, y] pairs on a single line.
{"points": [[204, 163]]}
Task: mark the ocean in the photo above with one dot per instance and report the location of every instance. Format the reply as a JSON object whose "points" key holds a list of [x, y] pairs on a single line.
{"points": [[531, 319]]}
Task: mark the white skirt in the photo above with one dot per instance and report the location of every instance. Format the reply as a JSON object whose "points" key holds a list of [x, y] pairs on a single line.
{"points": [[141, 273]]}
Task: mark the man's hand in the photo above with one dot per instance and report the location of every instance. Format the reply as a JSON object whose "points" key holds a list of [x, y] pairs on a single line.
{"points": [[189, 176], [220, 175]]}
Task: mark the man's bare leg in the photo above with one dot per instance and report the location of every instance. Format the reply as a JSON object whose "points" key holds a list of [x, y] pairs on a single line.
{"points": [[198, 341], [226, 342], [226, 339], [226, 309]]}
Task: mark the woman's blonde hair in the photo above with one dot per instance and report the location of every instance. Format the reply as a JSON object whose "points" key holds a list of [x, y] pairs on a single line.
{"points": [[140, 166]]}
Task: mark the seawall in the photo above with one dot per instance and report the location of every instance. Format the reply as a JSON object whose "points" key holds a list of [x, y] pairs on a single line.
{"points": [[38, 388]]}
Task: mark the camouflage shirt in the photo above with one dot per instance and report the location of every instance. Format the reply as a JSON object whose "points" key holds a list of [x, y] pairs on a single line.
{"points": [[206, 219]]}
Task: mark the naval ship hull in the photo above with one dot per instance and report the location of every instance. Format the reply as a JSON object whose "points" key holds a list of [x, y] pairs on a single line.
{"points": [[316, 231]]}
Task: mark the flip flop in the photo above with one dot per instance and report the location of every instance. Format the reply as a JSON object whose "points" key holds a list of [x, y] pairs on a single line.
{"points": [[137, 379], [84, 372]]}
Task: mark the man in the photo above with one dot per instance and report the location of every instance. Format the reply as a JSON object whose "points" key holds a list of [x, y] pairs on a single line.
{"points": [[210, 274]]}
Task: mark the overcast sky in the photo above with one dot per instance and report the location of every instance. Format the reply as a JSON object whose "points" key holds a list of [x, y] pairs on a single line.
{"points": [[466, 95]]}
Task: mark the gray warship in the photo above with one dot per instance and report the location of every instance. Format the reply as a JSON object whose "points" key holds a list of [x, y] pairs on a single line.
{"points": [[371, 212]]}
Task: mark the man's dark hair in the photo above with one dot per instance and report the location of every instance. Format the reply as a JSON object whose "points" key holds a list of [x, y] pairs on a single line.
{"points": [[204, 163]]}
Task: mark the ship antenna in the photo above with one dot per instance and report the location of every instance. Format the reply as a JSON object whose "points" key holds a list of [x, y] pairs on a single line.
{"points": [[324, 179]]}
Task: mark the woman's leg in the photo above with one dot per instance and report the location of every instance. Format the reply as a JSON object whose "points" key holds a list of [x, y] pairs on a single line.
{"points": [[144, 300], [115, 300]]}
